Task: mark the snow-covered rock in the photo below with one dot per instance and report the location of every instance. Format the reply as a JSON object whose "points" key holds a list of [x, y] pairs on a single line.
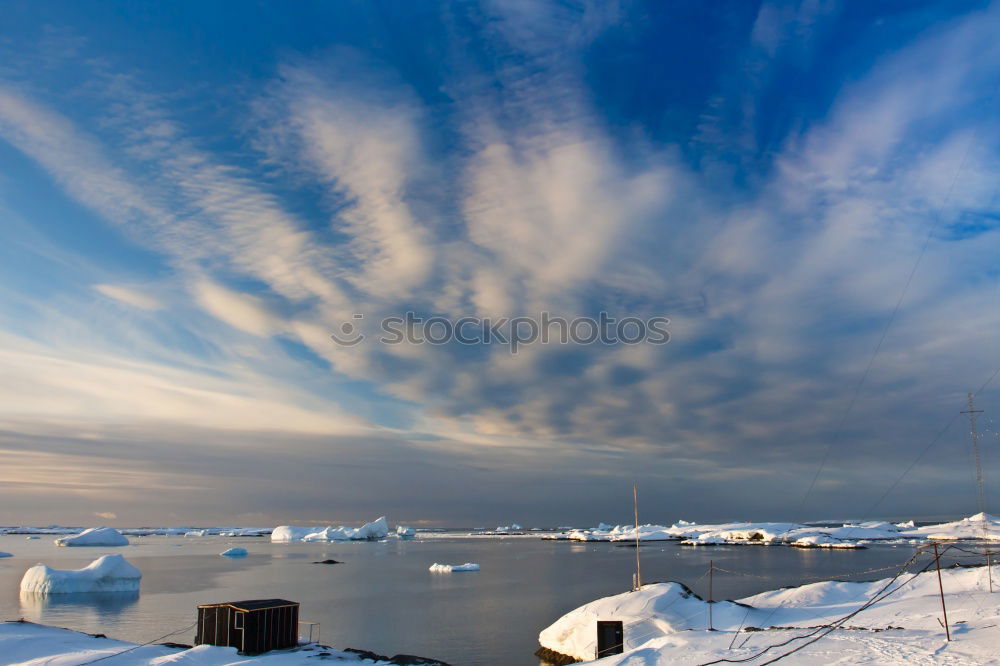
{"points": [[95, 536], [824, 541], [377, 529], [110, 573], [234, 552], [448, 568], [979, 526]]}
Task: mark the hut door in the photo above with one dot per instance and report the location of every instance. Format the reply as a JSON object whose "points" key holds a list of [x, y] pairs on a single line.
{"points": [[610, 638], [238, 627]]}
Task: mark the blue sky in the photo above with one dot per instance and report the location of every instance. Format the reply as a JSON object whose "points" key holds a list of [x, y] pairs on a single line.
{"points": [[194, 196]]}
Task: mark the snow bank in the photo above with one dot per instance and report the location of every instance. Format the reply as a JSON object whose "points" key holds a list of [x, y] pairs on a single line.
{"points": [[448, 568], [377, 529], [24, 644], [666, 623], [959, 530], [234, 552], [95, 536], [110, 573]]}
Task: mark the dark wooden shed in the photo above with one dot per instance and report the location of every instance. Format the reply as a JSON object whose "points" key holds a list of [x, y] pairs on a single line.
{"points": [[253, 626]]}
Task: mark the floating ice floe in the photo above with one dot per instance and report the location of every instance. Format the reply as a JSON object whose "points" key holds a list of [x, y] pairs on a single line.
{"points": [[825, 541], [95, 536], [502, 530], [377, 529], [234, 552], [405, 532], [196, 533], [110, 573], [449, 568]]}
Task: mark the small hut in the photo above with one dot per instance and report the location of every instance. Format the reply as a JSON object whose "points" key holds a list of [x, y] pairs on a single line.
{"points": [[253, 626]]}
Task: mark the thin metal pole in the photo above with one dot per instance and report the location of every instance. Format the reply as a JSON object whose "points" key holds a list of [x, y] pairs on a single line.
{"points": [[711, 570], [638, 568], [980, 493], [944, 610]]}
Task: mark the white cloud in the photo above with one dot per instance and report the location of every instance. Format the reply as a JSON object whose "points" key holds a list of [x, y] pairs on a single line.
{"points": [[239, 310], [130, 296]]}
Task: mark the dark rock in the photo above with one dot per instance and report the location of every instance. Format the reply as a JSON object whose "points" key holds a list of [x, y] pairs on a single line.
{"points": [[329, 562], [553, 658]]}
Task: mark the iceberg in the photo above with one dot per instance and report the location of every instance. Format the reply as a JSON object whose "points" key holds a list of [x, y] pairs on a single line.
{"points": [[95, 536], [110, 573], [405, 532], [234, 552], [448, 568], [377, 529]]}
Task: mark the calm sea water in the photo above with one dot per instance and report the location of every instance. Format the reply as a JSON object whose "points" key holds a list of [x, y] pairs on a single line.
{"points": [[383, 598]]}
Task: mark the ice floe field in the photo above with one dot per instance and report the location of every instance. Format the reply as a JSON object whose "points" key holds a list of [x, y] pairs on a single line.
{"points": [[489, 595]]}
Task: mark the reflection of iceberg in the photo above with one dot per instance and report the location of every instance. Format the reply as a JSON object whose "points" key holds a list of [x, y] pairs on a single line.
{"points": [[106, 604], [110, 573]]}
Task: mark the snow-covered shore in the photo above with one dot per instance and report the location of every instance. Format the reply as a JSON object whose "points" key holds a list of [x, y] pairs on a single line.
{"points": [[665, 623], [27, 644], [848, 535]]}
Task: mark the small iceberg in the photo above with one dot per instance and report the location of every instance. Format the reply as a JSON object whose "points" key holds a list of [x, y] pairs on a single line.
{"points": [[449, 568], [95, 536], [110, 573], [405, 532], [234, 552], [3, 554]]}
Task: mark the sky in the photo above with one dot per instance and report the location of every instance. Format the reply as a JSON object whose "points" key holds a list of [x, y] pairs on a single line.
{"points": [[195, 196]]}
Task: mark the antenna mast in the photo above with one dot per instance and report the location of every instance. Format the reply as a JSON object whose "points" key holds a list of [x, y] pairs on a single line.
{"points": [[980, 493], [638, 570]]}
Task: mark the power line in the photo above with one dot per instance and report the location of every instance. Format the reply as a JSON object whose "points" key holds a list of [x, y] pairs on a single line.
{"points": [[136, 647], [831, 626], [888, 324], [927, 448]]}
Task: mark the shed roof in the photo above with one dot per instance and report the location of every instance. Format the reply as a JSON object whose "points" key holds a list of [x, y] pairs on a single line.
{"points": [[253, 604]]}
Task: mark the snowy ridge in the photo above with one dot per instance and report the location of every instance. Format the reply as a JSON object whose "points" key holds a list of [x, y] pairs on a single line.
{"points": [[666, 623]]}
